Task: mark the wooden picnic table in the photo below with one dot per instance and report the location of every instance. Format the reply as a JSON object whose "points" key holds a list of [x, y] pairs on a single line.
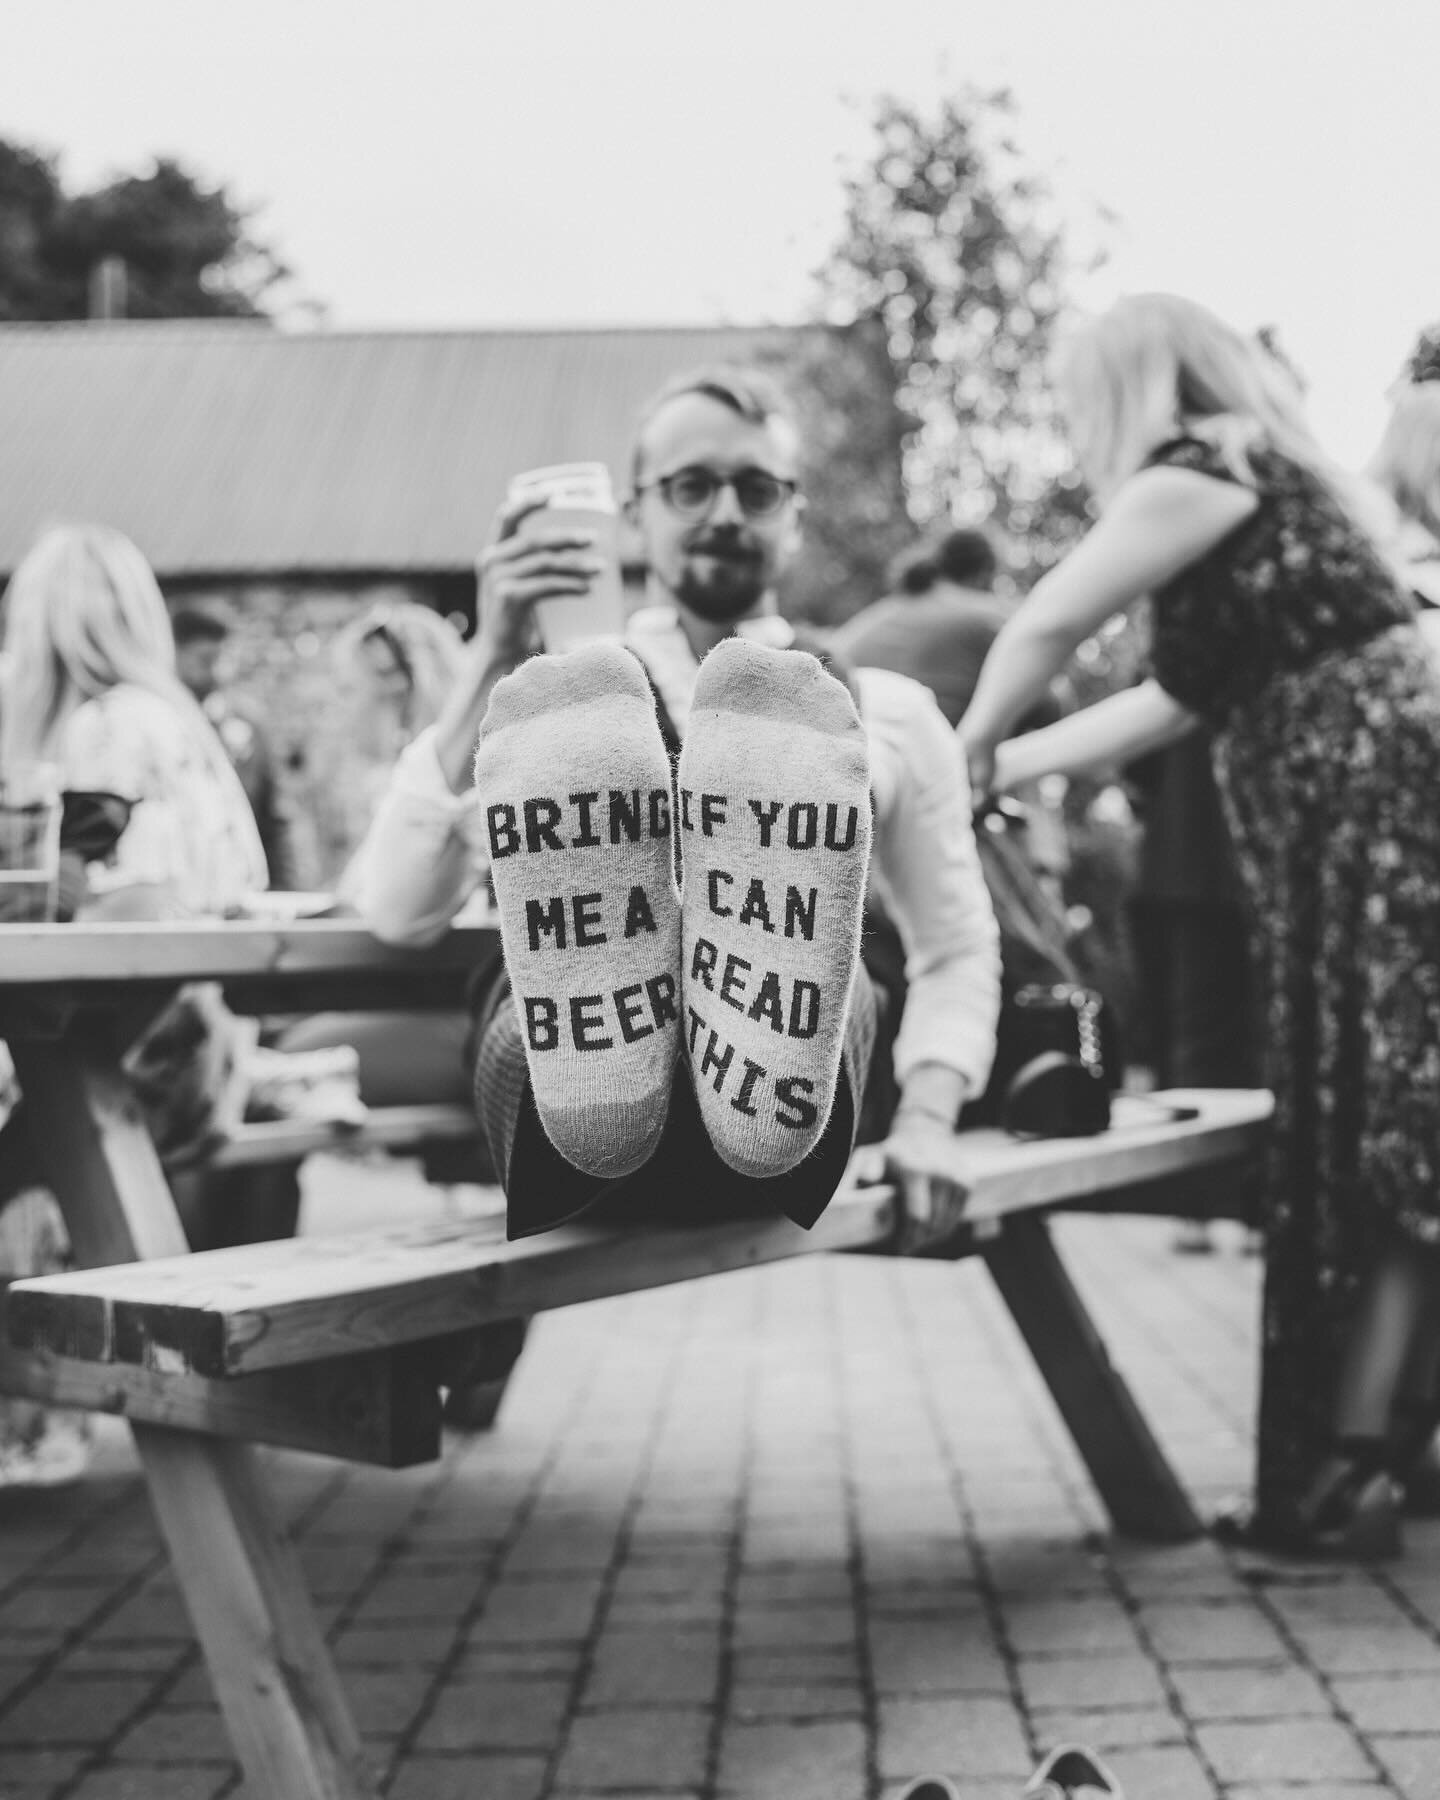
{"points": [[204, 1368]]}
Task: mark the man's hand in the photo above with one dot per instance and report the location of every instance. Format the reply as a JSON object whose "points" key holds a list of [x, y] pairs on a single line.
{"points": [[923, 1158], [518, 571]]}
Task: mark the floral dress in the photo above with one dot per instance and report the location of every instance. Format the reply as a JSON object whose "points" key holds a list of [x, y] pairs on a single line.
{"points": [[1295, 642]]}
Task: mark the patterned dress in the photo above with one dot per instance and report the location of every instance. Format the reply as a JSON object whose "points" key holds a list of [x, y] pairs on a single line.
{"points": [[1294, 641]]}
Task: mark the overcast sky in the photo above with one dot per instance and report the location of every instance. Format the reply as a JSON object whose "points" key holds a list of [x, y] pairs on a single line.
{"points": [[464, 162]]}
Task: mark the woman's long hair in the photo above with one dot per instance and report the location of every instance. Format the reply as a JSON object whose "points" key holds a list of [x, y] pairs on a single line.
{"points": [[83, 613], [1155, 366], [1407, 462], [426, 648]]}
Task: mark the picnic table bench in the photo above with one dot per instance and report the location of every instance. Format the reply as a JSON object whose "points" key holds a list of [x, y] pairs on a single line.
{"points": [[342, 1344]]}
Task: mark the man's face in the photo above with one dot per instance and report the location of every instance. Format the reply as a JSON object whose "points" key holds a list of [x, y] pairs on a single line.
{"points": [[197, 663], [722, 565]]}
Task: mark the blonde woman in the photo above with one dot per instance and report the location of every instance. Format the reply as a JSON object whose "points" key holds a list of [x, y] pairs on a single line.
{"points": [[90, 684], [1280, 625], [87, 682]]}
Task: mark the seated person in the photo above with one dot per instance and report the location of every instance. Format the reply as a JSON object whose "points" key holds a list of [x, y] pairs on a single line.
{"points": [[753, 973]]}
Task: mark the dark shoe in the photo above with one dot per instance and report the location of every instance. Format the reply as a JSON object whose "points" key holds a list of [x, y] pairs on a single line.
{"points": [[931, 1787], [1412, 1455], [1072, 1772], [1351, 1513]]}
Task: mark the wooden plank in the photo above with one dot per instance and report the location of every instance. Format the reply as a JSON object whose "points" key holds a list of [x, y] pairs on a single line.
{"points": [[382, 1408], [1006, 1175], [385, 1128], [1127, 1465], [242, 1581], [268, 1305], [118, 955], [272, 1674]]}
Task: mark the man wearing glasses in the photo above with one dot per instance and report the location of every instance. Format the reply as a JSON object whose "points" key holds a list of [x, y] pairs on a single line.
{"points": [[715, 502]]}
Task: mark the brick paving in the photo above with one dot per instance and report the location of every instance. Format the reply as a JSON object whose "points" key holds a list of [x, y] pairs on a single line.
{"points": [[791, 1535]]}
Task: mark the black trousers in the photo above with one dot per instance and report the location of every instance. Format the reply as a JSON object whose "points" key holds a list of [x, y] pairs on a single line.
{"points": [[685, 1181]]}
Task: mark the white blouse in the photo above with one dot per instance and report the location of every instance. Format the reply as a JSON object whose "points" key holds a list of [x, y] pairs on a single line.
{"points": [[192, 828]]}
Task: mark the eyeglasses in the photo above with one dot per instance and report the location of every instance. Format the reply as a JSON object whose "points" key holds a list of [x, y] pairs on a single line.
{"points": [[691, 493]]}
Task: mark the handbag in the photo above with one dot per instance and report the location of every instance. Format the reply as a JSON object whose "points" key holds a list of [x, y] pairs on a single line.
{"points": [[1057, 1051]]}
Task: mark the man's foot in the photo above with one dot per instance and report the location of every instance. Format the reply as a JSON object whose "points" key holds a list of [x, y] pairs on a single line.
{"points": [[574, 785], [775, 823], [931, 1787]]}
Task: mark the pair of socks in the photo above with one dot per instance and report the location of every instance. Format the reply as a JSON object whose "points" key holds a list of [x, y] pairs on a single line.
{"points": [[614, 974]]}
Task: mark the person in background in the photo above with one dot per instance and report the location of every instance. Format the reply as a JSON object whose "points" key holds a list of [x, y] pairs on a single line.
{"points": [[936, 626], [202, 636], [1406, 470], [938, 620], [396, 663], [89, 683], [1280, 625], [1190, 930]]}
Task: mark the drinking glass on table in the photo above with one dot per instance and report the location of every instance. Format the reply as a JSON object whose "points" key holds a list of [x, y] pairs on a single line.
{"points": [[29, 842]]}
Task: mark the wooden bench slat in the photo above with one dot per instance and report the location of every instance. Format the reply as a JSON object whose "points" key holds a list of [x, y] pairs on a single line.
{"points": [[293, 1301], [229, 1312]]}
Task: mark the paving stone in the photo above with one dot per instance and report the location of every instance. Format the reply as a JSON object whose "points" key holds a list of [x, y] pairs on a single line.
{"points": [[186, 1735], [810, 1761], [1412, 1763], [936, 1657], [1230, 1632], [469, 1778], [1392, 1703], [648, 1669], [1171, 1774], [1107, 1731], [539, 1611], [153, 1784], [1342, 1790], [796, 1701], [496, 1715], [641, 1748], [1088, 1683], [1082, 1624], [1273, 1691], [981, 1735], [1274, 1750], [85, 1710]]}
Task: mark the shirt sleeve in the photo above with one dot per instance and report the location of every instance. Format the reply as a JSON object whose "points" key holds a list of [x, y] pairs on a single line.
{"points": [[424, 854], [927, 871]]}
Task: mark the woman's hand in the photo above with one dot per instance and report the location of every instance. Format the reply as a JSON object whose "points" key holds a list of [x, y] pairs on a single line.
{"points": [[980, 760], [517, 571]]}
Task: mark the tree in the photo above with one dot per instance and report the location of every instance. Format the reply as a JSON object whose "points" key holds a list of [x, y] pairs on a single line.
{"points": [[188, 250], [852, 431], [954, 247]]}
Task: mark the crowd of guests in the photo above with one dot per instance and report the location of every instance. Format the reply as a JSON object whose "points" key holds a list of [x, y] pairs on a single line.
{"points": [[772, 836]]}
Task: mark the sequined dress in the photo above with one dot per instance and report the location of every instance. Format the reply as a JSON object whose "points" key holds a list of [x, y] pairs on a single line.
{"points": [[1295, 642]]}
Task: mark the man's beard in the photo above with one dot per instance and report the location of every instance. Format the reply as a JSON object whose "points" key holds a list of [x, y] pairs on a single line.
{"points": [[721, 581]]}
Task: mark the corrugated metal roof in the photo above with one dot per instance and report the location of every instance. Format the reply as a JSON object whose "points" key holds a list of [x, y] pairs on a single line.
{"points": [[232, 448]]}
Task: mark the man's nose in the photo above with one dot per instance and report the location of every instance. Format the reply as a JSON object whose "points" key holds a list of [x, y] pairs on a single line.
{"points": [[726, 508]]}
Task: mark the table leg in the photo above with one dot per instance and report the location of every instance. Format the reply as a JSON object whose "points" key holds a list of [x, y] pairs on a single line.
{"points": [[242, 1581], [1135, 1480]]}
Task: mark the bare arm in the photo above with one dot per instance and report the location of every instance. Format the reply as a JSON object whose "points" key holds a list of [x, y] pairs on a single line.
{"points": [[1159, 523], [1113, 731]]}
